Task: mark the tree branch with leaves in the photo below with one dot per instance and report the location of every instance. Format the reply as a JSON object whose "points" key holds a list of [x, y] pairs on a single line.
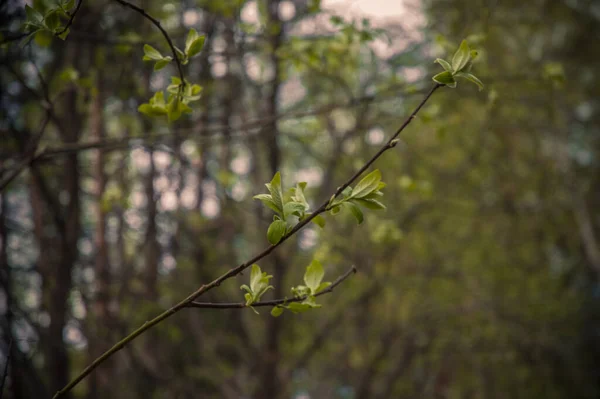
{"points": [[292, 211]]}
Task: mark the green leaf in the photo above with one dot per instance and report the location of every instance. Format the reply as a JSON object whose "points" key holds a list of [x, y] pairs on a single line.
{"points": [[319, 221], [196, 46], [68, 4], [313, 276], [160, 64], [52, 20], [152, 110], [259, 284], [181, 55], [276, 231], [322, 286], [33, 15], [43, 38], [276, 191], [445, 78], [293, 208], [299, 194], [472, 78], [158, 99], [64, 35], [267, 199], [151, 54], [173, 109], [461, 57], [370, 203], [355, 210], [297, 307], [311, 301], [255, 276], [245, 288], [276, 311], [368, 184], [445, 64], [347, 192], [300, 291], [335, 210], [191, 37]]}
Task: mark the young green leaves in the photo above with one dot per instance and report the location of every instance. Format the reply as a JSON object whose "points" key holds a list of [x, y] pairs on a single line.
{"points": [[460, 67], [177, 101], [289, 207], [152, 54], [313, 278], [259, 284], [40, 21], [193, 45], [180, 94], [365, 194]]}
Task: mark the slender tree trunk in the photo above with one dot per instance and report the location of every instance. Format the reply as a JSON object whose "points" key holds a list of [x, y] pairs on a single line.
{"points": [[99, 380]]}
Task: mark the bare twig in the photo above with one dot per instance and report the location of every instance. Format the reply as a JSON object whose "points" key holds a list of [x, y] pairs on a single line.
{"points": [[5, 372], [391, 143], [71, 18], [156, 23], [28, 158], [275, 302]]}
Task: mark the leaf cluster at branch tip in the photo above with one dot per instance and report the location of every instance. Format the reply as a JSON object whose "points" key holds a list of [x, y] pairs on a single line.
{"points": [[462, 61]]}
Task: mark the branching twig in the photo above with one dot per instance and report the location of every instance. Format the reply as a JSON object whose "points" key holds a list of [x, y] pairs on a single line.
{"points": [[391, 143], [71, 19], [275, 302], [156, 23]]}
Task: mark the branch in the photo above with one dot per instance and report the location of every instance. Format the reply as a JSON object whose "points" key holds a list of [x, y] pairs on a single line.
{"points": [[156, 23], [71, 19], [275, 302], [391, 143], [210, 132], [5, 372], [29, 157]]}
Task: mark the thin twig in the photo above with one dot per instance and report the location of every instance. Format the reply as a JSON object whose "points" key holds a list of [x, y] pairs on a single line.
{"points": [[210, 133], [274, 302], [156, 23], [391, 143], [5, 372], [71, 19], [30, 156]]}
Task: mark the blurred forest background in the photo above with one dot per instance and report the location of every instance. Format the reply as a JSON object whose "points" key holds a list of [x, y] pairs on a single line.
{"points": [[480, 280]]}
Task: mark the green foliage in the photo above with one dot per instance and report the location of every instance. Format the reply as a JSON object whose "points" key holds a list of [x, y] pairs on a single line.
{"points": [[193, 44], [43, 21], [289, 208], [259, 284], [181, 93], [460, 67], [177, 101], [313, 284], [366, 194]]}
